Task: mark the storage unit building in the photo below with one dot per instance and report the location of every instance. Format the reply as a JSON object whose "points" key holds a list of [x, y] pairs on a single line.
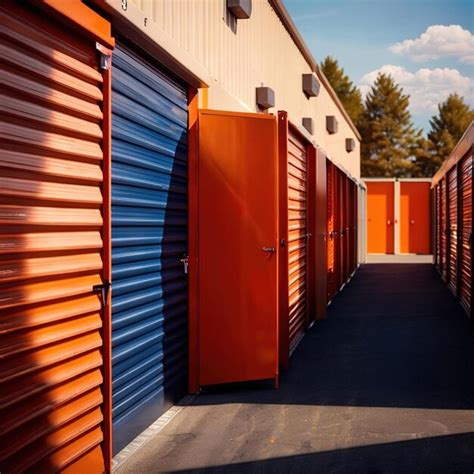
{"points": [[399, 216], [101, 185], [452, 191]]}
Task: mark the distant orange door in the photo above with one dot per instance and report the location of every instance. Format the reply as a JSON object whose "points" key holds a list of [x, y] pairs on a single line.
{"points": [[415, 217], [380, 217]]}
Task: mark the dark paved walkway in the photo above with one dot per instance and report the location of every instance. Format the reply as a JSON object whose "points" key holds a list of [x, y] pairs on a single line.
{"points": [[384, 385]]}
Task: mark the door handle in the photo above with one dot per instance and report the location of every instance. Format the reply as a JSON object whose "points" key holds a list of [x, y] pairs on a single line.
{"points": [[268, 249]]}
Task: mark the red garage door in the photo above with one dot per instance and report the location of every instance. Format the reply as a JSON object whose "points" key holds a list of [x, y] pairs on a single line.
{"points": [[51, 247], [297, 237], [453, 229], [466, 233], [331, 226]]}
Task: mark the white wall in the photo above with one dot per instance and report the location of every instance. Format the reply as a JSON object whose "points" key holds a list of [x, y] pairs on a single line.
{"points": [[233, 57]]}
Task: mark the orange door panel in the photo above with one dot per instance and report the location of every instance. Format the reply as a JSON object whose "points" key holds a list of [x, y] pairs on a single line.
{"points": [[380, 217], [54, 211], [415, 217], [237, 229]]}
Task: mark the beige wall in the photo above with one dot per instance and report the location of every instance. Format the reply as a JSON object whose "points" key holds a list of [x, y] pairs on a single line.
{"points": [[233, 57]]}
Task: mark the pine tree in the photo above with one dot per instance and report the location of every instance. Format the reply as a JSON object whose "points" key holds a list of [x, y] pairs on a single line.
{"points": [[345, 89], [447, 127], [389, 139]]}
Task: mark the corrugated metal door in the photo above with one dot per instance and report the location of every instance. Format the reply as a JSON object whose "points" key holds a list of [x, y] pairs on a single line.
{"points": [[466, 232], [453, 229], [341, 227], [330, 232], [51, 247], [149, 237], [438, 226], [297, 237], [444, 229]]}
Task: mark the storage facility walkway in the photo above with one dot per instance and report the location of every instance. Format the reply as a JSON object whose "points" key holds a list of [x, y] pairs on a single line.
{"points": [[384, 385]]}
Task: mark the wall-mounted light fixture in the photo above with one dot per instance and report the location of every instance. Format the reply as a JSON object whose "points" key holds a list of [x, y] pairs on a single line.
{"points": [[265, 97], [308, 124], [241, 9], [331, 124], [310, 85], [350, 144]]}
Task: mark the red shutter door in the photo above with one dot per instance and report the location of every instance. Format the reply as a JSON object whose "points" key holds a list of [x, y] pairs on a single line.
{"points": [[331, 216], [51, 247], [297, 237], [444, 230], [466, 232], [453, 228], [438, 225]]}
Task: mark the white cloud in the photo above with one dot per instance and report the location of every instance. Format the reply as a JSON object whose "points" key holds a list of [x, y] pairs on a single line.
{"points": [[439, 41], [426, 87]]}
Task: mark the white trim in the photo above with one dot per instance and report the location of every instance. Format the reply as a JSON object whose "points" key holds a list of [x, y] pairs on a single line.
{"points": [[146, 435]]}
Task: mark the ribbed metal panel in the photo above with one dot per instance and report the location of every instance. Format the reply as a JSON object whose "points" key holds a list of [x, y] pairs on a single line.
{"points": [[466, 168], [330, 231], [453, 229], [51, 248], [149, 237], [297, 237], [438, 226], [444, 229]]}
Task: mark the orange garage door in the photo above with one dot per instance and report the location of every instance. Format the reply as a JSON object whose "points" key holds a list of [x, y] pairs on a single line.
{"points": [[380, 217], [415, 217], [51, 247]]}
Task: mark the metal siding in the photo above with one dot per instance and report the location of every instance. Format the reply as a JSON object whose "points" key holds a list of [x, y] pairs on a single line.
{"points": [[149, 237], [51, 205], [234, 56], [466, 168], [453, 229], [297, 241]]}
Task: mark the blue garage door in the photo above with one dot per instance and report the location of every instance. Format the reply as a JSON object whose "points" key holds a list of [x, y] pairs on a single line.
{"points": [[149, 238]]}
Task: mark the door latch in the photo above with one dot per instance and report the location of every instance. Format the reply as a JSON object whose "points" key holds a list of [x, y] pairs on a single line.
{"points": [[102, 289], [185, 261]]}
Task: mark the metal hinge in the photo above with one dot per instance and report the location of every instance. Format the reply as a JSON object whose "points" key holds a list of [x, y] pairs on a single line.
{"points": [[105, 57], [102, 289]]}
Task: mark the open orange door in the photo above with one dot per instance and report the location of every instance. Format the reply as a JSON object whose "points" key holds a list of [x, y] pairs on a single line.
{"points": [[415, 217], [238, 247], [380, 217]]}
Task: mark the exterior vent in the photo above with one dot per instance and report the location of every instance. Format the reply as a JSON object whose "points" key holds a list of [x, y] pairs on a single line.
{"points": [[310, 85], [308, 124], [265, 97], [331, 124], [350, 144], [241, 9]]}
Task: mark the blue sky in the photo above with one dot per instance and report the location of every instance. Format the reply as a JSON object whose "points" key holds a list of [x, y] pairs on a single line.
{"points": [[371, 35]]}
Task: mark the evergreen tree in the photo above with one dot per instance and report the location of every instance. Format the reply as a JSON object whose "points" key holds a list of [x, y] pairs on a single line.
{"points": [[345, 89], [447, 127], [389, 139]]}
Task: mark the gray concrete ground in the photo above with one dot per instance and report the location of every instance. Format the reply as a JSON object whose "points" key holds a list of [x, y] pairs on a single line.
{"points": [[384, 385]]}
